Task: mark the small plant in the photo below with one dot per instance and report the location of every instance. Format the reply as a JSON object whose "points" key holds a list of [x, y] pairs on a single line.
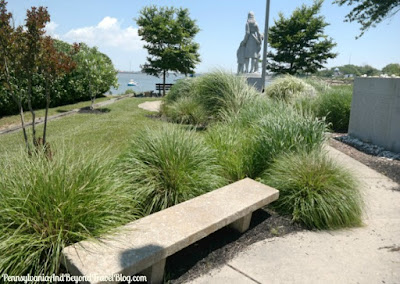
{"points": [[167, 166], [289, 88], [129, 92], [50, 204], [315, 191], [335, 105]]}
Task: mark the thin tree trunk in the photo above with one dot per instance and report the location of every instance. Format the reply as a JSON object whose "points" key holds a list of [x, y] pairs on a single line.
{"points": [[18, 101], [32, 111], [46, 114], [164, 83]]}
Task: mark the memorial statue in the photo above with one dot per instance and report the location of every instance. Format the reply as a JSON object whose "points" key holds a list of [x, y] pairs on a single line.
{"points": [[249, 49]]}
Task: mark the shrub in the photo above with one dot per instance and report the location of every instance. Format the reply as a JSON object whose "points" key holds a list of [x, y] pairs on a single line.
{"points": [[315, 191], [289, 88], [167, 166], [48, 205], [129, 91], [335, 105]]}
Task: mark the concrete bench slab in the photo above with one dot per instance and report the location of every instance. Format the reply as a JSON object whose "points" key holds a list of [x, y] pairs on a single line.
{"points": [[143, 245]]}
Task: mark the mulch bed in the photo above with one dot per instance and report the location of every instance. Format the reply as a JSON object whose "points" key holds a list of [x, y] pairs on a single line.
{"points": [[87, 110], [385, 166]]}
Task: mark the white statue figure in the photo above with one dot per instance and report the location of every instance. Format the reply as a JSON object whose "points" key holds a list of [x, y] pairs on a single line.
{"points": [[252, 44]]}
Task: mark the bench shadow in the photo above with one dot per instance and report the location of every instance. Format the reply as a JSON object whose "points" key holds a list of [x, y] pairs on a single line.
{"points": [[195, 254]]}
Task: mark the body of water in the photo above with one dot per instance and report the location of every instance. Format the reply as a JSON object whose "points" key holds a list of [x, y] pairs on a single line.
{"points": [[145, 82]]}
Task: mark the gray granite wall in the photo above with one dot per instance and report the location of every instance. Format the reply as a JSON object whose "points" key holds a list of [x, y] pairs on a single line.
{"points": [[375, 112]]}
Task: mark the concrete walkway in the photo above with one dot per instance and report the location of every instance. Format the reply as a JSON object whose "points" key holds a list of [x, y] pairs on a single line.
{"points": [[370, 254], [151, 106]]}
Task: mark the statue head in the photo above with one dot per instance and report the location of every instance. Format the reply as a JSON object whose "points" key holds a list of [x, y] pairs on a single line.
{"points": [[250, 15]]}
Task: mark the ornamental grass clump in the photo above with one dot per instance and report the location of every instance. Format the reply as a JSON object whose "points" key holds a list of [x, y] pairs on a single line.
{"points": [[167, 166], [247, 143], [315, 191], [289, 89], [235, 149], [182, 88], [335, 105], [186, 110], [220, 92], [47, 205]]}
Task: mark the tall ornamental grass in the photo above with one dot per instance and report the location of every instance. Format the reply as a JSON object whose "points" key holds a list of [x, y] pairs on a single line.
{"points": [[182, 88], [221, 92], [216, 94], [167, 166], [315, 191], [235, 148], [247, 143], [185, 110], [47, 205], [289, 89], [335, 105]]}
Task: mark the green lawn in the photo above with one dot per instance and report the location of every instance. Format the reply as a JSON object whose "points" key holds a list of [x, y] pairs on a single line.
{"points": [[15, 119], [83, 132]]}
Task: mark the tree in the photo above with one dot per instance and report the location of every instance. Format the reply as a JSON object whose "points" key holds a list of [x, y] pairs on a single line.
{"points": [[392, 69], [95, 71], [169, 33], [28, 58], [369, 13], [53, 66], [300, 44], [11, 66]]}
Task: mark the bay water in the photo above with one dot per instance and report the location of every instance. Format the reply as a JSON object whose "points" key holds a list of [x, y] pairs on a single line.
{"points": [[147, 83]]}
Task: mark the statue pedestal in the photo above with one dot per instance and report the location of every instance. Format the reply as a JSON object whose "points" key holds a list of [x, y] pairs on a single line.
{"points": [[253, 79]]}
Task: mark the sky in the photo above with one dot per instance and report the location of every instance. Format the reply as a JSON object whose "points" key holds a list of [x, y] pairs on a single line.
{"points": [[110, 26]]}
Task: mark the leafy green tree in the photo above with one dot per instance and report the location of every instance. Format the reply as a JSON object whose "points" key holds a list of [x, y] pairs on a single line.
{"points": [[392, 69], [94, 71], [169, 33], [35, 22], [369, 13], [368, 70], [299, 41], [29, 62]]}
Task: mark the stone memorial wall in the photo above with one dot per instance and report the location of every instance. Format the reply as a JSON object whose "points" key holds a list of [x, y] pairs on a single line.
{"points": [[375, 112]]}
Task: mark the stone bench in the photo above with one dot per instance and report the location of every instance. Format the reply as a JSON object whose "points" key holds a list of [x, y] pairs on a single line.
{"points": [[142, 246]]}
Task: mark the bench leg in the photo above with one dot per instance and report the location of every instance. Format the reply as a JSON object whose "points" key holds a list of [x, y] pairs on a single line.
{"points": [[242, 224], [155, 273]]}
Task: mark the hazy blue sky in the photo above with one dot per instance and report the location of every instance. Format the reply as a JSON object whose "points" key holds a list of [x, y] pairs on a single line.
{"points": [[110, 26]]}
